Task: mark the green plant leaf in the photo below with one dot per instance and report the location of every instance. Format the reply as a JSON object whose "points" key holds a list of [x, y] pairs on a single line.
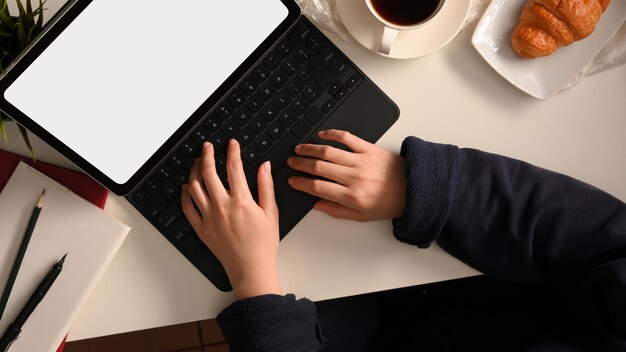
{"points": [[4, 131], [27, 141]]}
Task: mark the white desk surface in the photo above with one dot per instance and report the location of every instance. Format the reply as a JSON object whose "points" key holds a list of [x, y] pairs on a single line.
{"points": [[451, 96]]}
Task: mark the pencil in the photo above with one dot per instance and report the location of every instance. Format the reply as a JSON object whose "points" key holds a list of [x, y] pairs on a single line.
{"points": [[21, 252]]}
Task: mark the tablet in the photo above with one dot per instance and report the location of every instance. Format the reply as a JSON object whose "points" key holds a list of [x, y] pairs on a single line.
{"points": [[115, 85]]}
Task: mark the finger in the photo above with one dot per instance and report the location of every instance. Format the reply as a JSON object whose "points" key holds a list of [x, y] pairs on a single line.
{"points": [[196, 189], [267, 198], [189, 210], [323, 189], [326, 152], [234, 167], [338, 211], [346, 138], [214, 185], [321, 168]]}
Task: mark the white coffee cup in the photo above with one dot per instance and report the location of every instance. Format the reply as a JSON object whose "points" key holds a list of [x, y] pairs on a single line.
{"points": [[391, 29]]}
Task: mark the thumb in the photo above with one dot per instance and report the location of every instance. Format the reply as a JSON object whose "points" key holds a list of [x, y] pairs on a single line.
{"points": [[267, 199]]}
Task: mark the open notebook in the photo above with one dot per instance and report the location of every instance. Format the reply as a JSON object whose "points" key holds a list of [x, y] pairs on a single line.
{"points": [[67, 224]]}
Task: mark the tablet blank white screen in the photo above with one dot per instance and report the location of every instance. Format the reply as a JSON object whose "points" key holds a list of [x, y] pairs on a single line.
{"points": [[119, 81]]}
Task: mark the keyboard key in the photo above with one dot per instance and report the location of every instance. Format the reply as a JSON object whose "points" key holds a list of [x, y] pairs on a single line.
{"points": [[170, 191], [315, 43], [181, 177], [273, 60], [258, 124], [294, 87], [270, 112], [225, 110], [323, 59], [236, 98], [264, 142], [292, 66], [245, 137], [301, 129], [176, 161], [304, 54], [219, 141], [231, 128], [285, 48], [306, 74], [190, 244], [169, 216], [276, 130], [152, 185], [179, 230], [255, 103], [283, 148], [330, 104], [248, 86], [220, 162], [260, 73], [156, 206], [312, 93], [282, 100], [354, 80], [189, 148], [212, 123], [299, 34], [288, 117], [314, 115], [341, 93], [300, 105], [267, 91], [279, 78], [141, 197], [200, 135], [332, 73], [164, 173], [252, 155], [243, 116], [334, 88]]}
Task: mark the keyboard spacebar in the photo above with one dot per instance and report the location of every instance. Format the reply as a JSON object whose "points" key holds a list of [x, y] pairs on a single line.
{"points": [[281, 150], [276, 156]]}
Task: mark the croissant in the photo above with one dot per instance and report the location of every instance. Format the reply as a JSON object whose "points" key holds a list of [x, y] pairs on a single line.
{"points": [[546, 25]]}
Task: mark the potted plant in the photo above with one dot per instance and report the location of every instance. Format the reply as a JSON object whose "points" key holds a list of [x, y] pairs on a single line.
{"points": [[16, 32]]}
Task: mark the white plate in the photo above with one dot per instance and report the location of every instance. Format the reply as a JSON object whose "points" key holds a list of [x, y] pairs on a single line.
{"points": [[544, 76], [439, 31]]}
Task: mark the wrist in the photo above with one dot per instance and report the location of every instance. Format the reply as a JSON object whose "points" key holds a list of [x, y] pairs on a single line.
{"points": [[256, 283]]}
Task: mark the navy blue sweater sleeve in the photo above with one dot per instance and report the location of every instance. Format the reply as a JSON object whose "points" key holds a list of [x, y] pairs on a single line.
{"points": [[271, 323], [519, 223]]}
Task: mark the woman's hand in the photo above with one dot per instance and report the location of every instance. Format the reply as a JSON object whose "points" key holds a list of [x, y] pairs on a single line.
{"points": [[368, 183], [244, 236]]}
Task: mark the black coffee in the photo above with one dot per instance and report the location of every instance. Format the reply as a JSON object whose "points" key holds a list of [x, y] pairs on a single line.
{"points": [[406, 12]]}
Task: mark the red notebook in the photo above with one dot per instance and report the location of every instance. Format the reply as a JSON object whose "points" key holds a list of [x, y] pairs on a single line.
{"points": [[79, 183]]}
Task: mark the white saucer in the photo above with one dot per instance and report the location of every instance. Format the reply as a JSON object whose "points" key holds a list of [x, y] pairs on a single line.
{"points": [[367, 30]]}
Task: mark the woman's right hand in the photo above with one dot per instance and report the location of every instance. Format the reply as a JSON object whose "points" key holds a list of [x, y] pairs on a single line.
{"points": [[366, 184]]}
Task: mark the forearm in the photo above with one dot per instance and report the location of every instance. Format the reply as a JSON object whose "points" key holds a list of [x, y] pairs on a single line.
{"points": [[517, 222]]}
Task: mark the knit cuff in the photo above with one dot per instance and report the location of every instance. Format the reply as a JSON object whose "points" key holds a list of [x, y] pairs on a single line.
{"points": [[432, 175], [271, 323]]}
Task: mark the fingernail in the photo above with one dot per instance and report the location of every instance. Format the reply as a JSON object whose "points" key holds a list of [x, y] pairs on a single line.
{"points": [[290, 181], [206, 145], [267, 167], [290, 160], [232, 141], [298, 148]]}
